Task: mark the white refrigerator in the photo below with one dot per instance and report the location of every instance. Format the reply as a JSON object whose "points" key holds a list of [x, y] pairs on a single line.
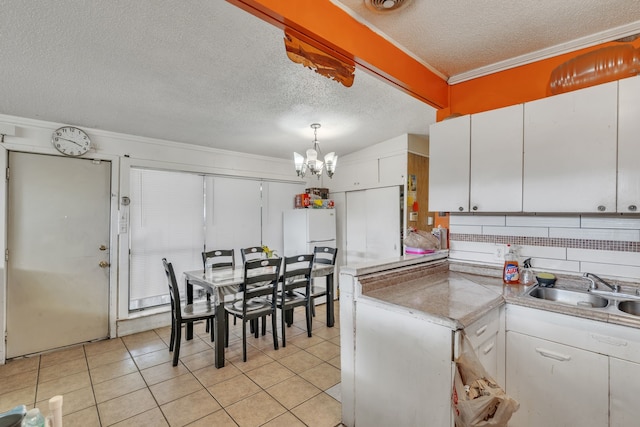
{"points": [[306, 228]]}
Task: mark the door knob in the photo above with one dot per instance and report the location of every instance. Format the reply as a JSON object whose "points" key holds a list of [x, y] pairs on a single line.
{"points": [[103, 264], [102, 248]]}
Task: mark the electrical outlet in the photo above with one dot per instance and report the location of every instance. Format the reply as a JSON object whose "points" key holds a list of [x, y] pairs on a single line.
{"points": [[499, 252]]}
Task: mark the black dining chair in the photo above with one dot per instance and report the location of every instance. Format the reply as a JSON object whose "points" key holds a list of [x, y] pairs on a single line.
{"points": [[218, 259], [253, 252], [180, 315], [295, 290], [322, 255], [258, 298]]}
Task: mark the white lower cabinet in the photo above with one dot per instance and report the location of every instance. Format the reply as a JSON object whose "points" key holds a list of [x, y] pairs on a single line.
{"points": [[555, 384], [624, 388]]}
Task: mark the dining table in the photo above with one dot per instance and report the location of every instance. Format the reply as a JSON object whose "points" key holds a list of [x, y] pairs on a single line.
{"points": [[220, 283]]}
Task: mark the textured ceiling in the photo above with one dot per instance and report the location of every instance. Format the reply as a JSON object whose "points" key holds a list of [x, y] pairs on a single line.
{"points": [[205, 72], [463, 36]]}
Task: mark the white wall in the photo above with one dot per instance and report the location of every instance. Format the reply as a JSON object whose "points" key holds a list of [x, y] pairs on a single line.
{"points": [[124, 152], [607, 245]]}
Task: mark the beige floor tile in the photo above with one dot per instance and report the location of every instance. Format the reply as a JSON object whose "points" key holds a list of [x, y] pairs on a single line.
{"points": [[112, 370], [86, 418], [175, 388], [19, 366], [300, 361], [108, 357], [293, 391], [233, 390], [324, 350], [303, 341], [255, 359], [159, 373], [319, 411], [140, 337], [47, 390], [285, 420], [199, 360], [154, 358], [21, 396], [211, 375], [327, 333], [335, 362], [116, 387], [282, 351], [124, 407], [267, 375], [193, 346], [218, 419], [56, 357], [322, 376], [335, 340], [104, 346], [151, 418], [255, 410], [190, 408], [62, 369], [18, 381], [73, 401], [147, 346]]}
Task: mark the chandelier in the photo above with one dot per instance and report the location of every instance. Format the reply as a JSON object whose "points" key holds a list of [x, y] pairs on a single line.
{"points": [[311, 162]]}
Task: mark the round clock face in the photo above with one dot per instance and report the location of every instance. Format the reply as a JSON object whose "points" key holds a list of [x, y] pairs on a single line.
{"points": [[71, 141]]}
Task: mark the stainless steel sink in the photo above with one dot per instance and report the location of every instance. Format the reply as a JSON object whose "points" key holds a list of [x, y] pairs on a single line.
{"points": [[577, 298], [630, 307]]}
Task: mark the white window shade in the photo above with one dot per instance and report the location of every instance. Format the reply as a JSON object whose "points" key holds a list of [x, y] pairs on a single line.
{"points": [[167, 221]]}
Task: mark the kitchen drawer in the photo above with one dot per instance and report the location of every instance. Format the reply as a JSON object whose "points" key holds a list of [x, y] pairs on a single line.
{"points": [[484, 328], [487, 353]]}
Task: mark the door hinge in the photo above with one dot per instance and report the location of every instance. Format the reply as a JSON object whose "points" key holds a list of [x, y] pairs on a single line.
{"points": [[7, 174], [6, 255]]}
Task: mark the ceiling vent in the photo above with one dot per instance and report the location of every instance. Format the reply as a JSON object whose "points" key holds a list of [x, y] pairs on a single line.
{"points": [[386, 6]]}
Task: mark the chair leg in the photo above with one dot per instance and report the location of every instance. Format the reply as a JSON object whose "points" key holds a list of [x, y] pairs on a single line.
{"points": [[176, 352], [313, 308], [274, 326], [256, 330], [264, 325], [307, 312], [226, 332], [210, 320], [283, 321], [173, 333], [244, 340]]}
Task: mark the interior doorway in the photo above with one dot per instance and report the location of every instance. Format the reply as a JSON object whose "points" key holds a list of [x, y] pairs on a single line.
{"points": [[58, 252]]}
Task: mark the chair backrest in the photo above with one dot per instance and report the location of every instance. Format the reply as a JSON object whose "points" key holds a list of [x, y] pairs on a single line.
{"points": [[324, 255], [254, 252], [219, 258], [174, 292], [296, 273], [261, 277]]}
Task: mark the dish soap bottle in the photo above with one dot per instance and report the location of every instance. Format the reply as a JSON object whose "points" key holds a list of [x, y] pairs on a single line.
{"points": [[510, 272], [527, 276]]}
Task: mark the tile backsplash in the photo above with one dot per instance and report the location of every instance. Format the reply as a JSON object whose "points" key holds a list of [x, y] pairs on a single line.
{"points": [[604, 245]]}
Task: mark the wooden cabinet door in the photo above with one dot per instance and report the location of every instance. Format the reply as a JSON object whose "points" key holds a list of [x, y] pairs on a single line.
{"points": [[623, 392], [449, 162], [555, 384], [570, 151], [629, 145], [496, 160]]}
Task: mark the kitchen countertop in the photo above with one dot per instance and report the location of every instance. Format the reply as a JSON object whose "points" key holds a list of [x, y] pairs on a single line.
{"points": [[461, 295]]}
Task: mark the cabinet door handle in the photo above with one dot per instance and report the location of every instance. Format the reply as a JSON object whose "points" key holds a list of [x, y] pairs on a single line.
{"points": [[481, 330], [609, 340], [488, 348], [553, 355], [633, 208]]}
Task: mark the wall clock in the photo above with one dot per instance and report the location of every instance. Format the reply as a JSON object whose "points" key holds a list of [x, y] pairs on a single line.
{"points": [[71, 141]]}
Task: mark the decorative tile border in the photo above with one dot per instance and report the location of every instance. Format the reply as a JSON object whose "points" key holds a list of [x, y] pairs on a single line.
{"points": [[601, 245]]}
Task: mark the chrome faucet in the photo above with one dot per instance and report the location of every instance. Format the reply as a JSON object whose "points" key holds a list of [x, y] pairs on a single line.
{"points": [[594, 286]]}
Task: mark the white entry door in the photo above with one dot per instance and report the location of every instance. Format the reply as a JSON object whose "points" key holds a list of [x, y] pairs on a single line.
{"points": [[58, 243]]}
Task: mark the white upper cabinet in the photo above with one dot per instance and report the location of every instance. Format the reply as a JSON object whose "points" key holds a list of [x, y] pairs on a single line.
{"points": [[629, 146], [449, 161], [570, 151], [496, 160]]}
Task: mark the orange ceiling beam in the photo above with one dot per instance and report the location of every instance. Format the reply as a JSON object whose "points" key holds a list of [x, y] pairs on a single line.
{"points": [[330, 29]]}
